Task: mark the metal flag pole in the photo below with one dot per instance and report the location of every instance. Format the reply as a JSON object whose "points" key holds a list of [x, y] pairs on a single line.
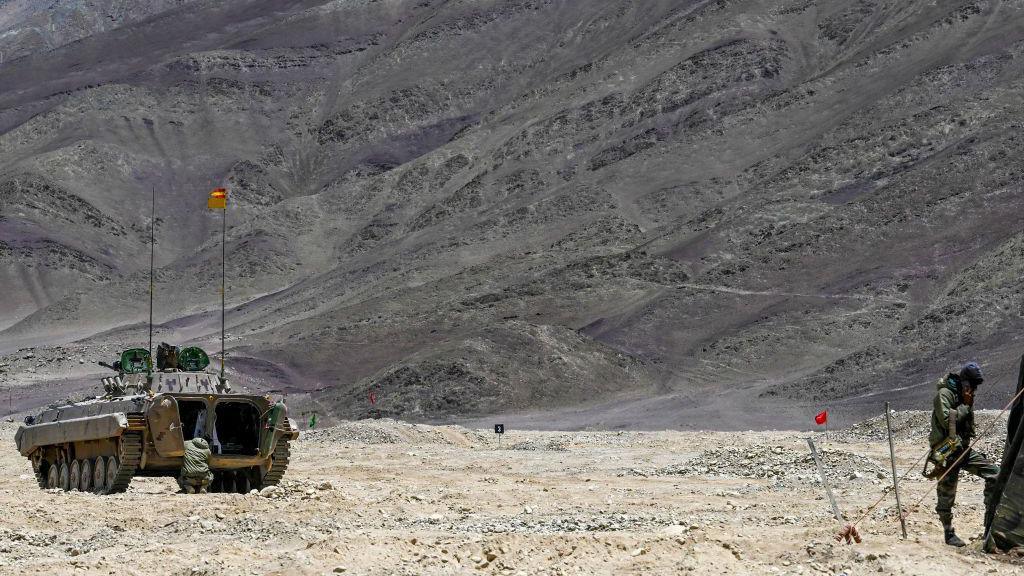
{"points": [[218, 200], [223, 283], [895, 476]]}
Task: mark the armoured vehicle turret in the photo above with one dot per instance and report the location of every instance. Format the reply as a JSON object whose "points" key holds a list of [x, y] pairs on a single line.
{"points": [[139, 426]]}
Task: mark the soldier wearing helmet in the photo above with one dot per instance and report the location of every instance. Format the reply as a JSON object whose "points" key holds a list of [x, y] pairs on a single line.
{"points": [[955, 396]]}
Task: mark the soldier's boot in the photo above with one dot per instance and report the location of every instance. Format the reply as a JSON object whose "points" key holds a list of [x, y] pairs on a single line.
{"points": [[189, 489], [202, 489], [951, 538]]}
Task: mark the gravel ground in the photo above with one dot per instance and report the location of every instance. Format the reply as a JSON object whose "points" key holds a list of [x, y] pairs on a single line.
{"points": [[385, 497]]}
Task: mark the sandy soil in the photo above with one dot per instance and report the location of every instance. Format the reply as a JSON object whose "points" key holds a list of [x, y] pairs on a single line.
{"points": [[392, 498]]}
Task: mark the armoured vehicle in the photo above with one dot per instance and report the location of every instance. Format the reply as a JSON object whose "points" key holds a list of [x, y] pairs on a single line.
{"points": [[139, 427]]}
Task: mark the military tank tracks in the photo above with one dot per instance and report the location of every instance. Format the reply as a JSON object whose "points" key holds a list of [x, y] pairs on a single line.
{"points": [[101, 475], [41, 477], [280, 463], [131, 455]]}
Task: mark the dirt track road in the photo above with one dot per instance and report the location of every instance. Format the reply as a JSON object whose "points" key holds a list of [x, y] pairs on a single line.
{"points": [[390, 498]]}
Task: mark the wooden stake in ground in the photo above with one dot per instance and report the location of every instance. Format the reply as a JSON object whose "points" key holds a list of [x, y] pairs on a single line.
{"points": [[849, 531], [895, 477]]}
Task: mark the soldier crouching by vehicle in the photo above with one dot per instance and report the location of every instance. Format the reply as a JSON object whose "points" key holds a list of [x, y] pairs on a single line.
{"points": [[195, 471], [954, 404]]}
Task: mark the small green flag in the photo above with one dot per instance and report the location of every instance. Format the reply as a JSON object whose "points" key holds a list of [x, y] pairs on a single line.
{"points": [[312, 421]]}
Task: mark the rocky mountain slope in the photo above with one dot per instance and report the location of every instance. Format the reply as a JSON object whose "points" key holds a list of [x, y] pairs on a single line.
{"points": [[711, 213]]}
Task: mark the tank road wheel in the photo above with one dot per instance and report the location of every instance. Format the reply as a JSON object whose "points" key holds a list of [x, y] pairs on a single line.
{"points": [[99, 474], [111, 474], [85, 479], [75, 475], [64, 477], [53, 476]]}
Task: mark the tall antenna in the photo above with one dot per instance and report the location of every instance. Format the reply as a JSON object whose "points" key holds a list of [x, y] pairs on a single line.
{"points": [[223, 283], [152, 254], [218, 200]]}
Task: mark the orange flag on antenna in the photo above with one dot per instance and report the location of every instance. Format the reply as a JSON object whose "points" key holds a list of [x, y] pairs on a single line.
{"points": [[218, 199]]}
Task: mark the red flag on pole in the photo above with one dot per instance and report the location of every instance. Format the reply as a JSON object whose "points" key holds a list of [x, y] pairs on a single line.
{"points": [[821, 418]]}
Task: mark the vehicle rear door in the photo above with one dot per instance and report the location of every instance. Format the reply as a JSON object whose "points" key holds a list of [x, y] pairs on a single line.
{"points": [[165, 427]]}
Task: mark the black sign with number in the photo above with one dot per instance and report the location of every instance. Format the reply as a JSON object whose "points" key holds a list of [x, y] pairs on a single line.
{"points": [[499, 428]]}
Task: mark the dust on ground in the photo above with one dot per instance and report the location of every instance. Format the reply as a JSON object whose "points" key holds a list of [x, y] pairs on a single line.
{"points": [[385, 497]]}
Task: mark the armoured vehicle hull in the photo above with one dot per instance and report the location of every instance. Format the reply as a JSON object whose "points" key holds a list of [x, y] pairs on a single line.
{"points": [[139, 428]]}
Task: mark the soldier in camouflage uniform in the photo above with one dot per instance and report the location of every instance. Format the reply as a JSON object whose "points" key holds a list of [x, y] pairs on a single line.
{"points": [[195, 471], [956, 394]]}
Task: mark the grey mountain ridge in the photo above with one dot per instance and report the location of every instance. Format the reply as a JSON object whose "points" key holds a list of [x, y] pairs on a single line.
{"points": [[725, 214]]}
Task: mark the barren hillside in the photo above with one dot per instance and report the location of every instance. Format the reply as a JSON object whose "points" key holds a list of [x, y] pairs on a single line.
{"points": [[606, 213]]}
